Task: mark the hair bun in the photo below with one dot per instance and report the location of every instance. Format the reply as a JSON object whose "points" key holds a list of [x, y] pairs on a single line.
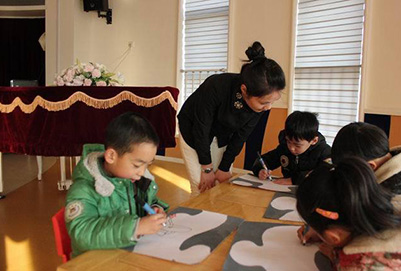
{"points": [[256, 51]]}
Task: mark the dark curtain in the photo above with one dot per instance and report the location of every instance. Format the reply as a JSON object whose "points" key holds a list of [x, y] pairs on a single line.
{"points": [[21, 56]]}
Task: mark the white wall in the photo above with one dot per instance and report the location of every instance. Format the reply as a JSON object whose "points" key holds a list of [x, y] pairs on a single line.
{"points": [[382, 64], [267, 21], [151, 25]]}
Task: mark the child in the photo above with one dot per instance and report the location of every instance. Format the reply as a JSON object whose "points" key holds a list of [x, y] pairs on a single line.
{"points": [[104, 205], [301, 149], [371, 144], [353, 216]]}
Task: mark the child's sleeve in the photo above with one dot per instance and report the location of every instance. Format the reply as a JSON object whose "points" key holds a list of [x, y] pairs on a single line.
{"points": [[90, 231], [323, 155], [160, 203], [151, 197], [326, 153], [271, 159]]}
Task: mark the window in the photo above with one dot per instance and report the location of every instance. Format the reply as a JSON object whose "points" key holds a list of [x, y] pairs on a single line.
{"points": [[204, 42], [328, 58]]}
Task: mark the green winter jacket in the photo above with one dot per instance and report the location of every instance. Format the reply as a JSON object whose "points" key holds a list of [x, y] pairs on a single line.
{"points": [[101, 211]]}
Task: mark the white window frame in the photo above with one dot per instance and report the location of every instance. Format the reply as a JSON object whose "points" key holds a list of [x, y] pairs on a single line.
{"points": [[292, 80], [180, 55]]}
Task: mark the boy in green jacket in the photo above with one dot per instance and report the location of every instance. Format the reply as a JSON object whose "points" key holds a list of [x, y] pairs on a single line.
{"points": [[104, 206]]}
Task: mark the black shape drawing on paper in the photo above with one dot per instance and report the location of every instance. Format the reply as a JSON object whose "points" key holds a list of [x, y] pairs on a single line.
{"points": [[194, 234], [283, 207]]}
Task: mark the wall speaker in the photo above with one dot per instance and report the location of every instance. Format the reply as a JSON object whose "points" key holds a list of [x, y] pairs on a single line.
{"points": [[102, 5]]}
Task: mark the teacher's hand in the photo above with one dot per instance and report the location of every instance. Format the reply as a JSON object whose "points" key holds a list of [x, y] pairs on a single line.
{"points": [[206, 181], [223, 176]]}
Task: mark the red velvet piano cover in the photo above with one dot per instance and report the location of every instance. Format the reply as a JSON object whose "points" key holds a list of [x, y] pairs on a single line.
{"points": [[57, 121]]}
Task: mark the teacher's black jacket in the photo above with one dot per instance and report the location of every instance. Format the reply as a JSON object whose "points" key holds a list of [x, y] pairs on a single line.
{"points": [[210, 112]]}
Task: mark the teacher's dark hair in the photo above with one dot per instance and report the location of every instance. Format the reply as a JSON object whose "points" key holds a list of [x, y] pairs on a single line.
{"points": [[261, 75]]}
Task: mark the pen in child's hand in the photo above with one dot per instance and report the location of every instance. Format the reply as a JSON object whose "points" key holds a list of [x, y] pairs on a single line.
{"points": [[150, 211], [264, 165], [305, 231]]}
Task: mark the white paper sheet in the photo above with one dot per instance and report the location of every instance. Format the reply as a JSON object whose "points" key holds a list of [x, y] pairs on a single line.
{"points": [[191, 238], [270, 246], [253, 181], [287, 203]]}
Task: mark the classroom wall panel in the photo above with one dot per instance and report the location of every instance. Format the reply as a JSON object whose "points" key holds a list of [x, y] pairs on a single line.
{"points": [[255, 141], [174, 152], [267, 21], [391, 125], [395, 131], [274, 126], [382, 57]]}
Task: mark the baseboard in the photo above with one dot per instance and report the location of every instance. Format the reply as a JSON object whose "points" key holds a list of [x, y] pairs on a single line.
{"points": [[181, 161], [170, 159]]}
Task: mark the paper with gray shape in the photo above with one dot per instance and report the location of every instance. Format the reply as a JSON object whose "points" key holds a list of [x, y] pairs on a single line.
{"points": [[261, 246], [194, 235], [253, 181], [283, 207]]}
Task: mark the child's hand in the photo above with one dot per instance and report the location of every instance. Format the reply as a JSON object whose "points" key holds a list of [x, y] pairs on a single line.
{"points": [[264, 174], [151, 224], [310, 237], [223, 176], [284, 181], [158, 210]]}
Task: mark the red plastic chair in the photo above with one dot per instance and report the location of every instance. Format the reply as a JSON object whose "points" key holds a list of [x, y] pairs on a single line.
{"points": [[63, 241]]}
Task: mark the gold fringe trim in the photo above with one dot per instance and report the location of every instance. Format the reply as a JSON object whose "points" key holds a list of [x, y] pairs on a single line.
{"points": [[90, 101]]}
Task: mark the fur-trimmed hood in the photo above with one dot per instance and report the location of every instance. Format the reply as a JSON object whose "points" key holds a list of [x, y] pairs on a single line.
{"points": [[103, 186], [388, 241]]}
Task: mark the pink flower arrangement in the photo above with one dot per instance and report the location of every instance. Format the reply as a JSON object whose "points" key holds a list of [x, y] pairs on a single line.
{"points": [[88, 74]]}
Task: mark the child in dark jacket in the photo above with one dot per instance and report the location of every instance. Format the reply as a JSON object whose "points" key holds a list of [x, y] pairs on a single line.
{"points": [[302, 148], [104, 207]]}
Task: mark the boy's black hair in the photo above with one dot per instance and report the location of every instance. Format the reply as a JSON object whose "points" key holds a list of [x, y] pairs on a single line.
{"points": [[351, 190], [302, 126], [360, 139], [261, 75], [127, 130]]}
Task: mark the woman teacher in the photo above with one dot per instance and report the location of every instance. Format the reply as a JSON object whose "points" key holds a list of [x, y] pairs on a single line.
{"points": [[218, 117]]}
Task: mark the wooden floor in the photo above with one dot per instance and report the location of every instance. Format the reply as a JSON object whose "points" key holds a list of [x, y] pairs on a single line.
{"points": [[26, 233]]}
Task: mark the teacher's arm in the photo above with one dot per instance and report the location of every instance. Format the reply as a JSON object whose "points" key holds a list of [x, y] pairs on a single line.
{"points": [[204, 110]]}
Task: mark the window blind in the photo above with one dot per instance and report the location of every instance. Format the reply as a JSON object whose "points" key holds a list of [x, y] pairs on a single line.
{"points": [[328, 60], [205, 41]]}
